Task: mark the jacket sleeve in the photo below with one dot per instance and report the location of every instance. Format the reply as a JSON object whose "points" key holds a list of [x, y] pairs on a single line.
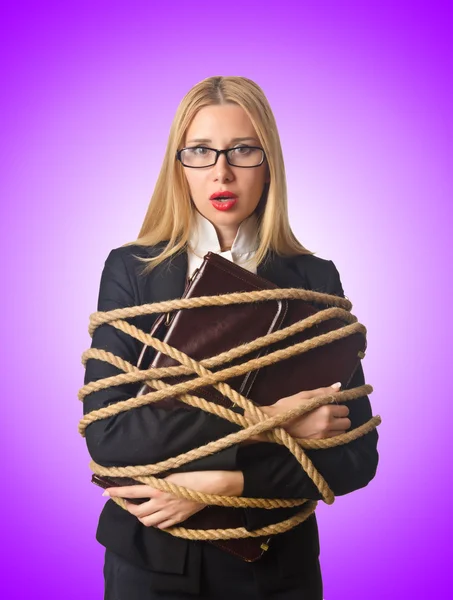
{"points": [[146, 434], [272, 471]]}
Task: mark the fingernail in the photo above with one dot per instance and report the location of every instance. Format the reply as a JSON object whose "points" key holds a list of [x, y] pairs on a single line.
{"points": [[106, 493], [336, 385]]}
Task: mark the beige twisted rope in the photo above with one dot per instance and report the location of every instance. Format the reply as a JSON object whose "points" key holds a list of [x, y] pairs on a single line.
{"points": [[256, 421]]}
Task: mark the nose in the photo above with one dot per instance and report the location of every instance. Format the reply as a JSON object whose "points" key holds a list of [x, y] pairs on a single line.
{"points": [[222, 170]]}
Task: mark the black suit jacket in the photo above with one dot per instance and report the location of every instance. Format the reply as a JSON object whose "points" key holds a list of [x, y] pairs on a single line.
{"points": [[149, 434]]}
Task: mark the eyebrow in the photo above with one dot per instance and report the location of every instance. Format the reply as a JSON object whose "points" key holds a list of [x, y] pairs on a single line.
{"points": [[243, 139]]}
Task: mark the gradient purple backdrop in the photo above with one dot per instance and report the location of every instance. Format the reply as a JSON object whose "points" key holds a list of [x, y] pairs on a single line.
{"points": [[362, 94]]}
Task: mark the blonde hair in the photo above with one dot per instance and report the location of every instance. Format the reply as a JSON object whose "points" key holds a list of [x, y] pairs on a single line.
{"points": [[170, 211]]}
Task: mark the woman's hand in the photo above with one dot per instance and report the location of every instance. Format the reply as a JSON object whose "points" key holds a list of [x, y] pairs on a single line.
{"points": [[323, 422], [164, 510]]}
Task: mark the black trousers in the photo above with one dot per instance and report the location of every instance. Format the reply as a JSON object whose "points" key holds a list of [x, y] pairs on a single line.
{"points": [[223, 577]]}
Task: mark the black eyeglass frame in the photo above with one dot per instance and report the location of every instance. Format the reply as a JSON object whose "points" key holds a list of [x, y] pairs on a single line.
{"points": [[218, 153]]}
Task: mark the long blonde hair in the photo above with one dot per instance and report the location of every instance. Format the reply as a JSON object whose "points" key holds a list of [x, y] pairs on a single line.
{"points": [[170, 211]]}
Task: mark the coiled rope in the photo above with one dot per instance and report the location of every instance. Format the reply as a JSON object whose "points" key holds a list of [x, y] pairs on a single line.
{"points": [[256, 421]]}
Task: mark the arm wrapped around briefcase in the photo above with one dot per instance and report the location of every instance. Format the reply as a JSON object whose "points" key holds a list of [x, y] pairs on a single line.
{"points": [[207, 331]]}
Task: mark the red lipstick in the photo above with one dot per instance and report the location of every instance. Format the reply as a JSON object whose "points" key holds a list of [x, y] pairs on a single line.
{"points": [[223, 200]]}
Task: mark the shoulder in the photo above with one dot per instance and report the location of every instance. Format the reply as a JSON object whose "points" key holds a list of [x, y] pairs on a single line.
{"points": [[129, 260], [124, 265], [321, 274], [122, 278], [310, 261], [132, 252]]}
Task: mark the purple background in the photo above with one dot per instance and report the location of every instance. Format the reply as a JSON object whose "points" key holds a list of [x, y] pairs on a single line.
{"points": [[362, 94]]}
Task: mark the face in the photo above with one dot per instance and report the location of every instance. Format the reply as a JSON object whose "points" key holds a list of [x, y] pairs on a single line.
{"points": [[220, 127]]}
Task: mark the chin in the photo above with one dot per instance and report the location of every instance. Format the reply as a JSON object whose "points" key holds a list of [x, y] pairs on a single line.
{"points": [[232, 214], [235, 215], [227, 219]]}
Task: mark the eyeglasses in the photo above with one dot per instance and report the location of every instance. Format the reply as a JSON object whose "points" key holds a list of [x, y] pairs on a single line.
{"points": [[198, 157]]}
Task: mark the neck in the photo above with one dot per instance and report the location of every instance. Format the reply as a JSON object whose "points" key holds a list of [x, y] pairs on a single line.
{"points": [[226, 238]]}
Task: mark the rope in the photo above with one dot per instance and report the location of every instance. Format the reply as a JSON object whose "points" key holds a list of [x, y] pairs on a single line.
{"points": [[256, 421]]}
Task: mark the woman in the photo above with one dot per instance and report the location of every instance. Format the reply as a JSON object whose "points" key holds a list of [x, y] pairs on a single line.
{"points": [[221, 188]]}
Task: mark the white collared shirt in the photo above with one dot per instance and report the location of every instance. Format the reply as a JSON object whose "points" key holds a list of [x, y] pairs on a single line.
{"points": [[203, 238]]}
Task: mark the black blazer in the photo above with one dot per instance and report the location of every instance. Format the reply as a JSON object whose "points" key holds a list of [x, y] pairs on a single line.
{"points": [[148, 434]]}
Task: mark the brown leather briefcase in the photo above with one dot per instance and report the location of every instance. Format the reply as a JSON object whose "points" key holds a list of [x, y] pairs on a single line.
{"points": [[207, 331]]}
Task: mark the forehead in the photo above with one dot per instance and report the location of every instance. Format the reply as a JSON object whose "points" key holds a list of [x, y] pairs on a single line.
{"points": [[220, 123]]}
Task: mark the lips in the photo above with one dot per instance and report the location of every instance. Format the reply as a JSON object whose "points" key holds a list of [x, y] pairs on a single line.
{"points": [[225, 195]]}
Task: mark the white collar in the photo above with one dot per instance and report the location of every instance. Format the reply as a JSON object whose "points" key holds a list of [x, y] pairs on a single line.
{"points": [[203, 238]]}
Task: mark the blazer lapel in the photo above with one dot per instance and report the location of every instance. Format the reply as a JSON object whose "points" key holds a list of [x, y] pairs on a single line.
{"points": [[279, 270], [167, 280]]}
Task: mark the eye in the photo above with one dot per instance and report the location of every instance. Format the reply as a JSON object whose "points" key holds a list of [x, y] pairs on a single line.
{"points": [[242, 150], [198, 150]]}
